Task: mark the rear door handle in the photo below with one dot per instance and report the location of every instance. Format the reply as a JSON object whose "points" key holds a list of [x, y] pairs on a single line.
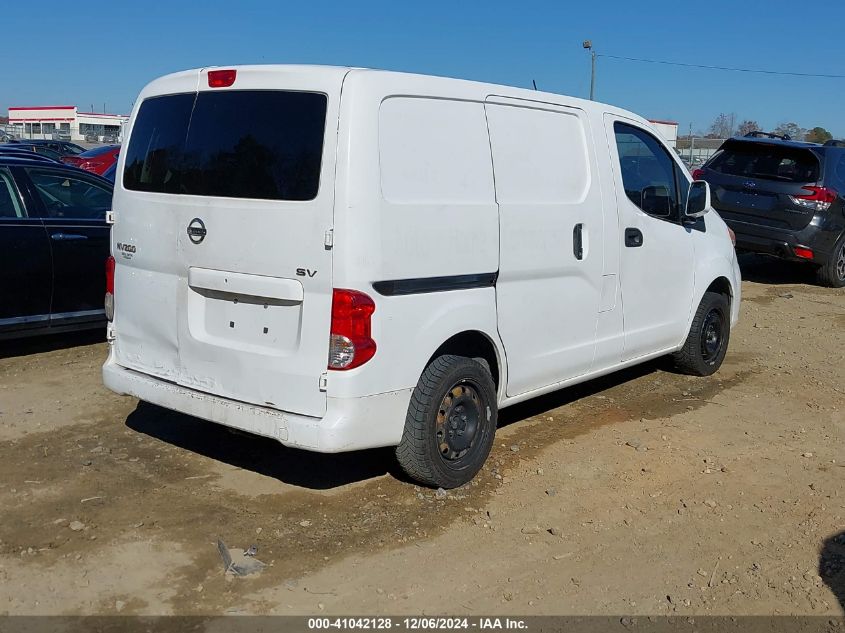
{"points": [[578, 241], [67, 237], [633, 237]]}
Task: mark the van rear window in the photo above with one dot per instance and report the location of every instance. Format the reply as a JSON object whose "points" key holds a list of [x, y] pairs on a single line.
{"points": [[265, 144], [766, 161]]}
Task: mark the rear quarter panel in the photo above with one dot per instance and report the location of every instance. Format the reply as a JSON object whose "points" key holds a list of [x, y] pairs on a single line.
{"points": [[391, 230]]}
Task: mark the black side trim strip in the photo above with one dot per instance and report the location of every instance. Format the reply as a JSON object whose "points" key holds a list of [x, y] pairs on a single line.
{"points": [[422, 285]]}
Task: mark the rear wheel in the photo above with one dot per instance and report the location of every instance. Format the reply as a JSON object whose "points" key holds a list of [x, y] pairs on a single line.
{"points": [[832, 274], [707, 341], [450, 424]]}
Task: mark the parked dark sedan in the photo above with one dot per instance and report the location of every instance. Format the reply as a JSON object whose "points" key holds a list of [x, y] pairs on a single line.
{"points": [[62, 148], [8, 151], [54, 242], [26, 146]]}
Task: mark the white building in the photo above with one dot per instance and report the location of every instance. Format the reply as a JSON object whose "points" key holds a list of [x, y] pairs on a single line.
{"points": [[47, 122], [668, 129]]}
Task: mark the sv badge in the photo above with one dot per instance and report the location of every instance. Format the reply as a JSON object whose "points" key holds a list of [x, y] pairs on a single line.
{"points": [[305, 272]]}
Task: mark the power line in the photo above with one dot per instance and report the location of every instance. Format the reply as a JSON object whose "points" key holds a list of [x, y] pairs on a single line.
{"points": [[739, 70]]}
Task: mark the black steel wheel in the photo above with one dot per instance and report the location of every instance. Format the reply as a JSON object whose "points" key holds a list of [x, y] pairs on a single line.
{"points": [[451, 422], [712, 335], [707, 342], [458, 420]]}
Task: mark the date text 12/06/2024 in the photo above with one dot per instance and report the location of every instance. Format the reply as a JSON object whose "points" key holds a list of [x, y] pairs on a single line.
{"points": [[416, 624]]}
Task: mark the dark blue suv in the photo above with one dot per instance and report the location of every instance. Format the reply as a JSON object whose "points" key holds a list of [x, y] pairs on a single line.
{"points": [[783, 198]]}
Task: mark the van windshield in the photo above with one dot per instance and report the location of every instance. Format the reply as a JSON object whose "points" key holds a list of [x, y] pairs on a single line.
{"points": [[265, 144]]}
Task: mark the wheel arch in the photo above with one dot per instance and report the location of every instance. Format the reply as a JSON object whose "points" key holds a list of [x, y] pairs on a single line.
{"points": [[716, 272], [721, 285], [474, 344]]}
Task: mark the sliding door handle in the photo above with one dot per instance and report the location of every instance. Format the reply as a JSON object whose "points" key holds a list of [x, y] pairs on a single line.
{"points": [[578, 241], [633, 237]]}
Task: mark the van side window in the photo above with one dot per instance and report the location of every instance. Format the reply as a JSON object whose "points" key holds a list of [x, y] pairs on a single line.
{"points": [[649, 174]]}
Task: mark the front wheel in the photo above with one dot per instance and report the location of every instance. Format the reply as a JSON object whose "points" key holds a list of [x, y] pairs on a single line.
{"points": [[707, 341], [451, 423]]}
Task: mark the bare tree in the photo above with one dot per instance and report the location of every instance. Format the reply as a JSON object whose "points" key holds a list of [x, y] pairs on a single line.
{"points": [[747, 127], [722, 126], [792, 130]]}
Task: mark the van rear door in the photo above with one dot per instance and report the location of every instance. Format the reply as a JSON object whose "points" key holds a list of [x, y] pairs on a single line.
{"points": [[223, 279]]}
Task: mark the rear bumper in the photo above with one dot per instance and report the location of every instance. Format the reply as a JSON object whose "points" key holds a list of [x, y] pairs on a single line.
{"points": [[819, 236], [349, 423]]}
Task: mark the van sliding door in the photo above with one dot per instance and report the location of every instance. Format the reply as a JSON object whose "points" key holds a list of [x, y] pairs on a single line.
{"points": [[551, 240]]}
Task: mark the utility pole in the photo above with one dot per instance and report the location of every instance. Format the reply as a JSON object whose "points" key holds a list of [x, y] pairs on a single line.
{"points": [[690, 143], [588, 45]]}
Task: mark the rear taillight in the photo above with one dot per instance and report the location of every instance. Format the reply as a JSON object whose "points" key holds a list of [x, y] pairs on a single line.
{"points": [[818, 198], [221, 78], [351, 343], [697, 174], [803, 253], [109, 302]]}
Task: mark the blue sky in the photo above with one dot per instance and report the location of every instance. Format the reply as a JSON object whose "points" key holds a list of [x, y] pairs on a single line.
{"points": [[56, 58]]}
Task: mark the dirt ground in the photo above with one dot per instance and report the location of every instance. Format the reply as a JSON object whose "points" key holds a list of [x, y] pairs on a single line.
{"points": [[645, 492]]}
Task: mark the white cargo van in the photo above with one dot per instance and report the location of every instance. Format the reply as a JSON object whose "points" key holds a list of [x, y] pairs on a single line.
{"points": [[343, 258]]}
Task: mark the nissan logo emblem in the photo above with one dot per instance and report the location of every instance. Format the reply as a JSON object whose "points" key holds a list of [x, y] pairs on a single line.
{"points": [[196, 231]]}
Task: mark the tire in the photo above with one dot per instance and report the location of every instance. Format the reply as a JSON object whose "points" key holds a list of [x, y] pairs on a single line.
{"points": [[707, 341], [451, 423], [832, 273]]}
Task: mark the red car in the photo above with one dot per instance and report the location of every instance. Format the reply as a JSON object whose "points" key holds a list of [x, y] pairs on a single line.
{"points": [[96, 160]]}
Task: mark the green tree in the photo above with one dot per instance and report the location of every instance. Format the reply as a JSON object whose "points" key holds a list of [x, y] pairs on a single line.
{"points": [[818, 135]]}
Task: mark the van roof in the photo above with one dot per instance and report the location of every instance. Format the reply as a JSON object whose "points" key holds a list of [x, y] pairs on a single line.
{"points": [[163, 84]]}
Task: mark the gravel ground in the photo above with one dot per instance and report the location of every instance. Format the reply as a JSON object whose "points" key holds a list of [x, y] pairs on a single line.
{"points": [[642, 493]]}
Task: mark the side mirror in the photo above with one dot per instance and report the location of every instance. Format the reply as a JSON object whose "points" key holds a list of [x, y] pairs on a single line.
{"points": [[655, 200], [698, 200]]}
